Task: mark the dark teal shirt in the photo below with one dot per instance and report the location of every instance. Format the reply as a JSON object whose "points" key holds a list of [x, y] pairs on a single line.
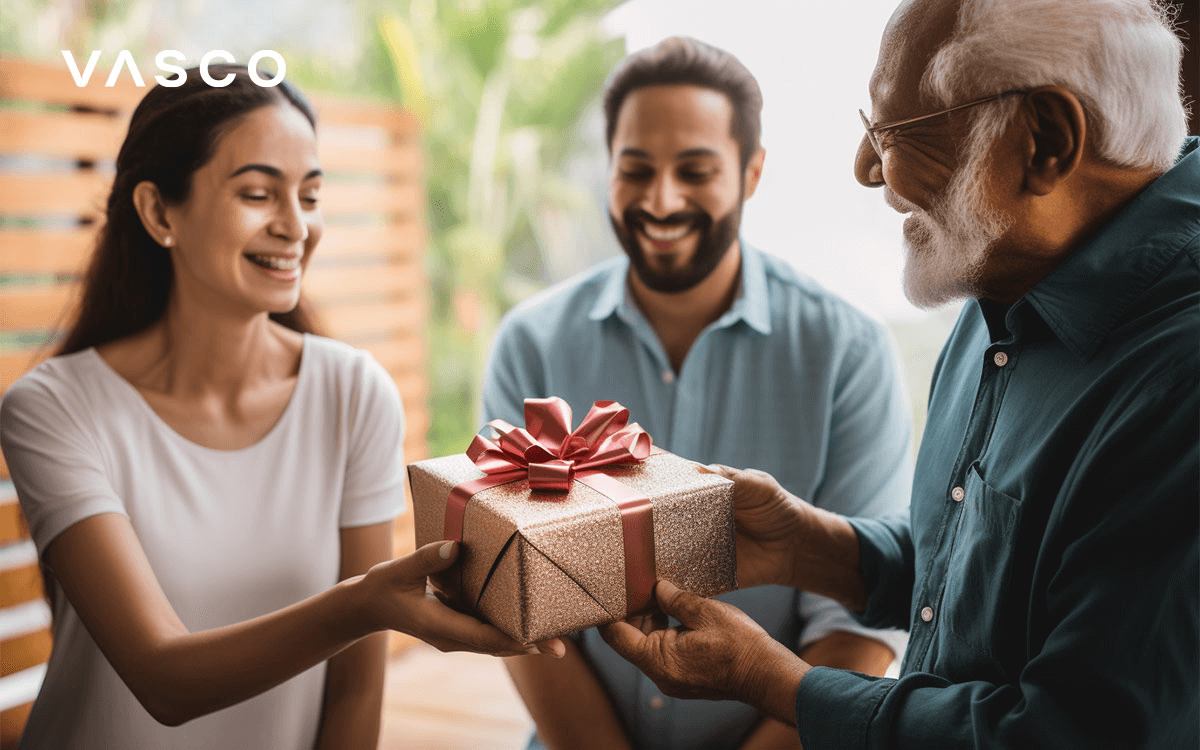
{"points": [[1050, 571]]}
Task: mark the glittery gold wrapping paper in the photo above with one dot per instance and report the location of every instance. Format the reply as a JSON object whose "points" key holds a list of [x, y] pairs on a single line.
{"points": [[559, 557]]}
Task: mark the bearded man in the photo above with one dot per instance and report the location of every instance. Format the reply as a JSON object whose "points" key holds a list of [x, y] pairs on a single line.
{"points": [[1049, 574], [722, 353]]}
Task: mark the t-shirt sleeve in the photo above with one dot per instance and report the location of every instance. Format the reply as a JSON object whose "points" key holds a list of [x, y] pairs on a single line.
{"points": [[373, 491], [56, 466]]}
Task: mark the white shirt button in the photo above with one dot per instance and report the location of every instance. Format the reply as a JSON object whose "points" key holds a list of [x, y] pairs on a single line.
{"points": [[657, 702], [1001, 359], [668, 377], [958, 494], [927, 613]]}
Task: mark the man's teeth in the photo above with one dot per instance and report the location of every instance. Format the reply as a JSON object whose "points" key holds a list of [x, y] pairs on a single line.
{"points": [[666, 234], [276, 262]]}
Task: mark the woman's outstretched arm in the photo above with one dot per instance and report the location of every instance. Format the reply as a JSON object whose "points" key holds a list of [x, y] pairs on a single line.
{"points": [[177, 675], [353, 704]]}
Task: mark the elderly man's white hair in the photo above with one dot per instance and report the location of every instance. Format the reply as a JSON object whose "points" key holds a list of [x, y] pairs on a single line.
{"points": [[1120, 57]]}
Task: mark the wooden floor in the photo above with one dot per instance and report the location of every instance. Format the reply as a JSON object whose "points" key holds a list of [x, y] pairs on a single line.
{"points": [[436, 701]]}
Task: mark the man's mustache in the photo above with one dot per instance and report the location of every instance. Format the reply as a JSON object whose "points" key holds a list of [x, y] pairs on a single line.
{"points": [[635, 217]]}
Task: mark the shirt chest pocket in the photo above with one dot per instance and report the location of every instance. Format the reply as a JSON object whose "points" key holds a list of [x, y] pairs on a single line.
{"points": [[975, 600]]}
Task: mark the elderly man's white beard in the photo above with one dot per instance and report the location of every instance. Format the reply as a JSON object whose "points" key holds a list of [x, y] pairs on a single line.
{"points": [[949, 244]]}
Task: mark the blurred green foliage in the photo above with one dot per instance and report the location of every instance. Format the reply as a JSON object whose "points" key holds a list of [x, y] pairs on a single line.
{"points": [[503, 89], [503, 86]]}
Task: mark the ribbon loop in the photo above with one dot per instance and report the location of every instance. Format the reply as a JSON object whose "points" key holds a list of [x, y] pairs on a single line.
{"points": [[550, 452]]}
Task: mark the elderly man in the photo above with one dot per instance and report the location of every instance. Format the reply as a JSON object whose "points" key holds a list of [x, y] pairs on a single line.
{"points": [[722, 353], [1049, 572]]}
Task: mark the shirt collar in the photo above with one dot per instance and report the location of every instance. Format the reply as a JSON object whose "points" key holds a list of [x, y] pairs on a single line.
{"points": [[1084, 297], [750, 305]]}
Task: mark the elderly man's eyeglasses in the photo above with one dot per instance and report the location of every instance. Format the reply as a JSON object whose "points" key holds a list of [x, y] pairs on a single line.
{"points": [[873, 129]]}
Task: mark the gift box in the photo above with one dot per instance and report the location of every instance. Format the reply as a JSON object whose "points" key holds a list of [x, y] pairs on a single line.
{"points": [[564, 529]]}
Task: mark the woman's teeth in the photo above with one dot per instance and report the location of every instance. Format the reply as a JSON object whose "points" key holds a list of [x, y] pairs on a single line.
{"points": [[666, 234], [276, 262]]}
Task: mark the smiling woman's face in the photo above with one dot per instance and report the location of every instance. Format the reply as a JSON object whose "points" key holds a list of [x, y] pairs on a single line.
{"points": [[251, 219]]}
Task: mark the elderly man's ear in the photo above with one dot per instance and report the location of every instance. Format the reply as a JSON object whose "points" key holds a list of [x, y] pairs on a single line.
{"points": [[1054, 143]]}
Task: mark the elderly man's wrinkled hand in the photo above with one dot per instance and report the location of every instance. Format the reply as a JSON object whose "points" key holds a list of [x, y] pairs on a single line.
{"points": [[769, 524], [717, 652]]}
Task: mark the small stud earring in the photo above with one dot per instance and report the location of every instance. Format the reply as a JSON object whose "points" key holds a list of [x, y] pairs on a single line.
{"points": [[168, 241]]}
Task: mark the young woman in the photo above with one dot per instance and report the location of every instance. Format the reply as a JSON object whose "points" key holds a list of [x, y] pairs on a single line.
{"points": [[211, 487]]}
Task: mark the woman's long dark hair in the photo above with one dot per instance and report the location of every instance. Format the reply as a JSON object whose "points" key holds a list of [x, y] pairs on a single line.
{"points": [[173, 132]]}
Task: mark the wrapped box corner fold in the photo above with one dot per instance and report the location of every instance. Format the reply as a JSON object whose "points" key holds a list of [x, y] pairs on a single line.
{"points": [[539, 564]]}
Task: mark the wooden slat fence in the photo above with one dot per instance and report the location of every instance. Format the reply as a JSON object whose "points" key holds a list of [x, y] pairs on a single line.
{"points": [[58, 144]]}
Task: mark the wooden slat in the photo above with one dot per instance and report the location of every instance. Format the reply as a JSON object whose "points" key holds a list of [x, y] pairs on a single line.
{"points": [[20, 585], [13, 721], [403, 239], [98, 137], [355, 323], [403, 162], [25, 651], [61, 134], [57, 251], [55, 194], [16, 362], [45, 251], [322, 284], [12, 523], [84, 194], [35, 307], [356, 198], [401, 355], [50, 81], [333, 110]]}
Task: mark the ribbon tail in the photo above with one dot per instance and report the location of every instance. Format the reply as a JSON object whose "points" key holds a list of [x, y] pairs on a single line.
{"points": [[637, 531]]}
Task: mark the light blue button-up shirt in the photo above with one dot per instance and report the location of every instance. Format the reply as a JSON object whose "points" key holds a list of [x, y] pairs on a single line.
{"points": [[791, 380]]}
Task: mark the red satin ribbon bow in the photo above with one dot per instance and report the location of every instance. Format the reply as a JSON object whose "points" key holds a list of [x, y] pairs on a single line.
{"points": [[553, 456], [550, 452]]}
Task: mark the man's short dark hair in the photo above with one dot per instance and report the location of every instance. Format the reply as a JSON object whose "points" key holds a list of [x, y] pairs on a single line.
{"points": [[682, 60]]}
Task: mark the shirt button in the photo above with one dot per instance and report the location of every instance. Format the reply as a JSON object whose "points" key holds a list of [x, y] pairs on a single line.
{"points": [[927, 613], [657, 702], [958, 494], [1001, 359], [668, 377]]}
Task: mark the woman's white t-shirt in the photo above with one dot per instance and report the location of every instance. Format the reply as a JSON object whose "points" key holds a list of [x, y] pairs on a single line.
{"points": [[230, 534]]}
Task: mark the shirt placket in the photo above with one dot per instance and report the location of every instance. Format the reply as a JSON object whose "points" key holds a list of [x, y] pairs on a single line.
{"points": [[998, 362]]}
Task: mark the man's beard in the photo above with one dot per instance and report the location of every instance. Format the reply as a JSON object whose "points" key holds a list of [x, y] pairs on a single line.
{"points": [[949, 245], [716, 237]]}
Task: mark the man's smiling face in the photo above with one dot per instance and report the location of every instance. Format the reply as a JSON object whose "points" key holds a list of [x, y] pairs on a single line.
{"points": [[675, 186]]}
